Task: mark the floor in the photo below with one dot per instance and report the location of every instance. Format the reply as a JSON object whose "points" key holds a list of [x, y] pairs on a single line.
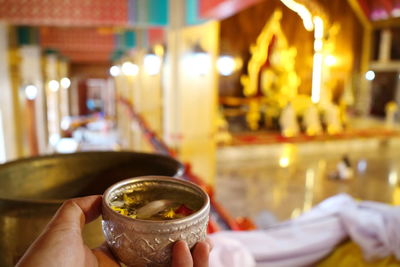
{"points": [[278, 181], [270, 183]]}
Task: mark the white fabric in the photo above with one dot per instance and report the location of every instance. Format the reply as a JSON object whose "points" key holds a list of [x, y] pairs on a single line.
{"points": [[375, 227]]}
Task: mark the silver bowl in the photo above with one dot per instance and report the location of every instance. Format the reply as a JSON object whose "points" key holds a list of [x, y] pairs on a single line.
{"points": [[138, 242]]}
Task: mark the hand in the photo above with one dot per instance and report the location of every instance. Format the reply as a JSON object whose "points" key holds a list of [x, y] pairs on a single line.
{"points": [[61, 243]]}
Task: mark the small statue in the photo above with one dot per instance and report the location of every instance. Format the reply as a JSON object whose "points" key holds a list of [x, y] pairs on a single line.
{"points": [[332, 119], [222, 136], [253, 115], [288, 121], [344, 170], [311, 121], [391, 109]]}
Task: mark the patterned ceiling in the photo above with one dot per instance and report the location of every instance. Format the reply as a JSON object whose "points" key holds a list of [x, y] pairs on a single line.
{"points": [[78, 28]]}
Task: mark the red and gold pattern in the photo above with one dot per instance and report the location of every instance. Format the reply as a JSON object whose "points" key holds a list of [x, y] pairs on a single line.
{"points": [[65, 12], [79, 44]]}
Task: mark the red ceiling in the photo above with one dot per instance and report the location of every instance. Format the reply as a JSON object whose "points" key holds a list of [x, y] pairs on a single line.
{"points": [[90, 44], [380, 9], [65, 12], [79, 44]]}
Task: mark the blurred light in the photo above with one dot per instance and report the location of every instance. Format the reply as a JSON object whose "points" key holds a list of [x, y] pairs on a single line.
{"points": [[396, 12], [115, 71], [393, 178], [284, 162], [302, 11], [31, 92], [159, 50], [370, 75], [316, 78], [318, 60], [309, 190], [152, 64], [318, 45], [288, 151], [65, 82], [362, 165], [201, 63], [226, 65], [318, 28], [66, 123], [330, 60], [54, 138], [130, 69], [310, 179], [91, 105], [67, 145], [54, 85]]}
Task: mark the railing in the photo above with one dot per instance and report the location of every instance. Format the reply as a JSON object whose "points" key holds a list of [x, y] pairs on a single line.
{"points": [[220, 218]]}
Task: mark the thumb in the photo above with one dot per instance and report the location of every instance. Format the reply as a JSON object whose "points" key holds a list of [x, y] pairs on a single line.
{"points": [[76, 212]]}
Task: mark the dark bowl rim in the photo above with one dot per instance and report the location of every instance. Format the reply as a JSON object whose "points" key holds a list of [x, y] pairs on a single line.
{"points": [[180, 171], [198, 213]]}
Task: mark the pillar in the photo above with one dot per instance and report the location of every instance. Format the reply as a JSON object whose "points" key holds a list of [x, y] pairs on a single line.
{"points": [[8, 142], [146, 94], [64, 89], [190, 94], [52, 88], [31, 74]]}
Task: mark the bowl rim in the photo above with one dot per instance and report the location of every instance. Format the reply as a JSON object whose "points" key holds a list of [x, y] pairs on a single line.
{"points": [[58, 201], [198, 213]]}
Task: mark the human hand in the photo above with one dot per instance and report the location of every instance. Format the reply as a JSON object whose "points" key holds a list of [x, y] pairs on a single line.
{"points": [[61, 243]]}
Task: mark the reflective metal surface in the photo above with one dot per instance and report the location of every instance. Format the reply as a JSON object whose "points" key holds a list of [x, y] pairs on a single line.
{"points": [[32, 189], [148, 242]]}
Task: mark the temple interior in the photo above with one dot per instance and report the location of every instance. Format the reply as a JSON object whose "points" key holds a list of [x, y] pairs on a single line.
{"points": [[271, 106]]}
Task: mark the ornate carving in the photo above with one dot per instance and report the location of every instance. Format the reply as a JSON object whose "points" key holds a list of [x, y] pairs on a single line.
{"points": [[151, 248]]}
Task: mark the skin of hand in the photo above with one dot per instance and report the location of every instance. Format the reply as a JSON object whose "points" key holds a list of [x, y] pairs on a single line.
{"points": [[61, 243]]}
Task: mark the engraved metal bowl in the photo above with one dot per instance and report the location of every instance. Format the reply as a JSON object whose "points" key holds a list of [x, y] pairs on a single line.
{"points": [[145, 242]]}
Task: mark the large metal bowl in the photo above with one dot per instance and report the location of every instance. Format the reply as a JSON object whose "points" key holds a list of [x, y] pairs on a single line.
{"points": [[32, 189], [149, 242]]}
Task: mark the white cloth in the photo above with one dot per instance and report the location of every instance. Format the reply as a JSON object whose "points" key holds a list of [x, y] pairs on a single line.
{"points": [[375, 227]]}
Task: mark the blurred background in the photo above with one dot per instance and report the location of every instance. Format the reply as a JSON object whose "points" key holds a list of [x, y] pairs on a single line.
{"points": [[266, 101]]}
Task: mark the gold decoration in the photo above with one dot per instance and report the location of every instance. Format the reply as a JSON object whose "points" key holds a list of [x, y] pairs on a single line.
{"points": [[253, 115], [391, 106], [259, 54], [279, 82]]}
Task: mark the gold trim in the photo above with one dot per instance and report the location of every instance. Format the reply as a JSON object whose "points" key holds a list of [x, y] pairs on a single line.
{"points": [[355, 5], [387, 23], [259, 54]]}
